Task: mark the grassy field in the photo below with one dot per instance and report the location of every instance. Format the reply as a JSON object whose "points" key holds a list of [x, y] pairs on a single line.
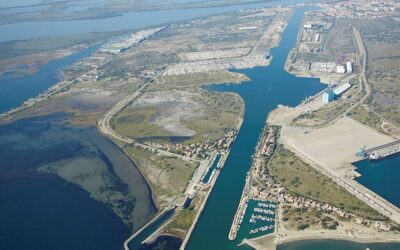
{"points": [[301, 179], [198, 79], [381, 39], [303, 218], [167, 176], [341, 40], [202, 115], [323, 115], [221, 113], [364, 115], [136, 124], [180, 225]]}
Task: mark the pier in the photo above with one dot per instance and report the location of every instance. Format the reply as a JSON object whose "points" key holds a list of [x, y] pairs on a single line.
{"points": [[383, 151]]}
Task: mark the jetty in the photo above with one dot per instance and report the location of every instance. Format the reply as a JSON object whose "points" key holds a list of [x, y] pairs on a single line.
{"points": [[383, 151]]}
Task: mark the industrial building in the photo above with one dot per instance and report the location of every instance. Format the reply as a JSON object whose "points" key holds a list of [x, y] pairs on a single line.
{"points": [[341, 89], [349, 67], [317, 37], [340, 69], [328, 96]]}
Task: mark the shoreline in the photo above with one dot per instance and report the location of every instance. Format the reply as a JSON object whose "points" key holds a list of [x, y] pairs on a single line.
{"points": [[214, 179], [130, 238], [337, 237]]}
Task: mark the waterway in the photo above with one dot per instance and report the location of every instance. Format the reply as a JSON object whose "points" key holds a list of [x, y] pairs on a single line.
{"points": [[268, 87], [131, 20], [14, 90], [381, 176], [136, 243]]}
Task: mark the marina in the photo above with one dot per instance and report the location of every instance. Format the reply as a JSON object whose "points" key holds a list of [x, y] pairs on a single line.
{"points": [[259, 219], [255, 218], [261, 95]]}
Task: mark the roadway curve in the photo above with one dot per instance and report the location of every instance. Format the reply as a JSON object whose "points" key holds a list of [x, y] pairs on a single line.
{"points": [[104, 125]]}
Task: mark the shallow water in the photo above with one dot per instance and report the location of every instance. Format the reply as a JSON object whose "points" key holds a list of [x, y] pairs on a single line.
{"points": [[335, 245], [131, 20], [16, 90], [40, 210]]}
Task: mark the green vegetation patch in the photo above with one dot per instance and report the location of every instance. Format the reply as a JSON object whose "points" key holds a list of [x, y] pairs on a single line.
{"points": [[45, 44], [300, 218], [206, 115], [198, 79], [221, 113], [180, 225], [323, 115], [137, 124], [301, 179], [167, 176], [366, 116]]}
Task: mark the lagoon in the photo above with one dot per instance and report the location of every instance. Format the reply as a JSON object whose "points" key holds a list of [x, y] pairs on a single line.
{"points": [[131, 20], [40, 210], [14, 90]]}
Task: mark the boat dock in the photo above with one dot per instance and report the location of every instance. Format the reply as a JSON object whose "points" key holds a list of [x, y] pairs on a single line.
{"points": [[383, 151], [254, 218]]}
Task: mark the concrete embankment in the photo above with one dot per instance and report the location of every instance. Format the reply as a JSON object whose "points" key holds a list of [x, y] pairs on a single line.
{"points": [[212, 183], [137, 233]]}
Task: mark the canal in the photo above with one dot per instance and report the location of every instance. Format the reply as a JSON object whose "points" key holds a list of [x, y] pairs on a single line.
{"points": [[268, 87]]}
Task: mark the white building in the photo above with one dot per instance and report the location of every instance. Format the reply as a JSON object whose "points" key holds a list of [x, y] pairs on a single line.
{"points": [[340, 69], [349, 67], [316, 37], [328, 96], [341, 89]]}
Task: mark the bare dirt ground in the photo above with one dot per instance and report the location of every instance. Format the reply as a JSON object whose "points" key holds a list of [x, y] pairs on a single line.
{"points": [[172, 107], [335, 146], [213, 54]]}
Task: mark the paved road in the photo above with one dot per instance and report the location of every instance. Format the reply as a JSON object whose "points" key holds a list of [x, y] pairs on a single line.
{"points": [[370, 198], [104, 125]]}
